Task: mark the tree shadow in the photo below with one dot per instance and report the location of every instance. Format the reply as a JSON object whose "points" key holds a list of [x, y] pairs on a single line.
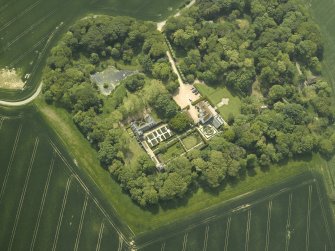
{"points": [[303, 157], [251, 172], [179, 202], [265, 169]]}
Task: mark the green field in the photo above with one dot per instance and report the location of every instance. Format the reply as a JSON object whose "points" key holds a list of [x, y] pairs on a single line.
{"points": [[321, 11], [290, 216], [46, 203], [322, 14], [28, 28]]}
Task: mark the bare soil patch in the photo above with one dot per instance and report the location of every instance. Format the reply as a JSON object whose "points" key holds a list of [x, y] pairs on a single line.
{"points": [[9, 79]]}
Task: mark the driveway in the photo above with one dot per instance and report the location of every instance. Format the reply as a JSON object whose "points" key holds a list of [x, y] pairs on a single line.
{"points": [[184, 96]]}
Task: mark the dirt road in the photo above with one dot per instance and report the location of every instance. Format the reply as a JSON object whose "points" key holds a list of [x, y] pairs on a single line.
{"points": [[23, 102]]}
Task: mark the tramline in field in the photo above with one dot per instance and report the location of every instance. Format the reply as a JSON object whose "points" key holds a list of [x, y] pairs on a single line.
{"points": [[53, 207], [41, 211], [266, 220]]}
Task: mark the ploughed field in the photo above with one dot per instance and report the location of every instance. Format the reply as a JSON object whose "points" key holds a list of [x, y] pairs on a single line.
{"points": [[293, 215], [45, 203], [28, 28]]}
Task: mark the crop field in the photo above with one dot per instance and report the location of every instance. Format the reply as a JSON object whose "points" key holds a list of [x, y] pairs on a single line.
{"points": [[28, 28], [322, 13], [45, 203], [291, 216]]}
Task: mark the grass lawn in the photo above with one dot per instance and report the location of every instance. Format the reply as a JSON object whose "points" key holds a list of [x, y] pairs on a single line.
{"points": [[192, 140], [173, 151], [215, 95]]}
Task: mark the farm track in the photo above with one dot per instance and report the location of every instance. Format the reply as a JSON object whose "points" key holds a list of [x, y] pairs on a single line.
{"points": [[325, 218], [82, 217], [309, 205], [101, 231], [268, 226], [120, 244], [206, 238], [226, 241], [288, 223], [247, 232], [163, 246], [95, 200], [42, 203], [60, 218], [4, 184], [185, 242]]}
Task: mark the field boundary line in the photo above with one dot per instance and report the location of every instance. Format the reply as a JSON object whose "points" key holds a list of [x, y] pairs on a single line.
{"points": [[4, 184], [101, 231], [268, 226], [226, 241], [247, 232], [309, 204], [103, 211], [60, 218], [46, 187], [288, 222], [82, 217], [23, 194], [185, 242], [206, 238]]}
